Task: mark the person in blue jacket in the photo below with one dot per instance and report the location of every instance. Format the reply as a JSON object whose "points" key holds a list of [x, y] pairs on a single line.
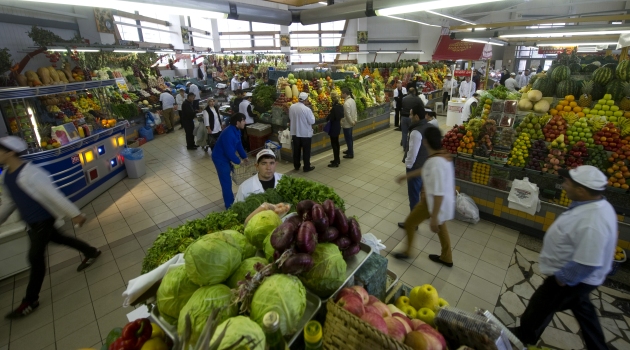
{"points": [[224, 155]]}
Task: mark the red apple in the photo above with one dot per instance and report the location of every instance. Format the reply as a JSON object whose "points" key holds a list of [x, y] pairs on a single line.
{"points": [[395, 328], [406, 322], [376, 321], [415, 324], [433, 337], [372, 299], [383, 309], [352, 303], [362, 293]]}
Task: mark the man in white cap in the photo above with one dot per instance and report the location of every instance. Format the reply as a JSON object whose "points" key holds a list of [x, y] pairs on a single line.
{"points": [[194, 89], [301, 120], [235, 84], [511, 83], [399, 93], [245, 107], [265, 178], [29, 189], [449, 83], [467, 88], [576, 257]]}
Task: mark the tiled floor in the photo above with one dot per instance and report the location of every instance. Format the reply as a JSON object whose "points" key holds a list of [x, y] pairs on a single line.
{"points": [[79, 309]]}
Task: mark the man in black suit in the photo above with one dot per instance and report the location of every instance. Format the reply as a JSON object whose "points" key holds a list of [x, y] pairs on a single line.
{"points": [[187, 119]]}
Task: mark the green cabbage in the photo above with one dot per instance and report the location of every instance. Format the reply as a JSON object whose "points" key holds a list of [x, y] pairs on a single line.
{"points": [[210, 261], [284, 294], [246, 266], [237, 240], [200, 306], [328, 272], [260, 226], [268, 249], [174, 291], [237, 327]]}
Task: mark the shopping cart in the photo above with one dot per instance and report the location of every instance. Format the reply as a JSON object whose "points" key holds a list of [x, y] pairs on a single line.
{"points": [[245, 171]]}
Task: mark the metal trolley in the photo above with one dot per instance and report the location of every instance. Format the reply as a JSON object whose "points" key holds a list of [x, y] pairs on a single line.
{"points": [[245, 171]]}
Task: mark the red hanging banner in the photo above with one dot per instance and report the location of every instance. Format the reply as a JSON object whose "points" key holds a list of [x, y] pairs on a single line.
{"points": [[449, 49]]}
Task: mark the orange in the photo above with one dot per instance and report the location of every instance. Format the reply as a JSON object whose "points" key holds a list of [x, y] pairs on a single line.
{"points": [[616, 184], [573, 104], [553, 111], [567, 108], [610, 170], [564, 103], [576, 109], [625, 186], [580, 114], [569, 98]]}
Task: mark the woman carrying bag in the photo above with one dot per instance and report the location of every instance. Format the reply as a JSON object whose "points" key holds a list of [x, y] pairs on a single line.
{"points": [[333, 128]]}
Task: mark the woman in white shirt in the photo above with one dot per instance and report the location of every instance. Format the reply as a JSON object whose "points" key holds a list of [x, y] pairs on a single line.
{"points": [[212, 121]]}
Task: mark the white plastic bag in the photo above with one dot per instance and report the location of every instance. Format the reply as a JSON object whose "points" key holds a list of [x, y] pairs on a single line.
{"points": [[524, 196], [373, 242], [466, 209]]}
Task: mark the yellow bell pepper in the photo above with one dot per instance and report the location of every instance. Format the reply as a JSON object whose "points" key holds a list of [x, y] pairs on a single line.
{"points": [[157, 332], [154, 344]]}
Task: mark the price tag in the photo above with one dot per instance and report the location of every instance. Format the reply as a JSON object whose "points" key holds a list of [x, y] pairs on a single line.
{"points": [[76, 159]]}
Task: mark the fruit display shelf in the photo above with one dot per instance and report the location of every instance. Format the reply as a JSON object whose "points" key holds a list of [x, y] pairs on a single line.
{"points": [[27, 92]]}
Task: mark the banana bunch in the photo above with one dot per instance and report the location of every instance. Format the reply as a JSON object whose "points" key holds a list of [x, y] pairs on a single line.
{"points": [[624, 125], [596, 122], [570, 117], [544, 119]]}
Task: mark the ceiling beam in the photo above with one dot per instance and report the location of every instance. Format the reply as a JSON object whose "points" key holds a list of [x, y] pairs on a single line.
{"points": [[545, 21], [139, 17], [296, 3]]}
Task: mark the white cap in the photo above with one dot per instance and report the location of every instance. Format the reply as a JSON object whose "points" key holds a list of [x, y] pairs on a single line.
{"points": [[303, 96], [513, 73], [587, 176], [449, 75], [249, 94], [13, 143], [188, 83], [265, 152]]}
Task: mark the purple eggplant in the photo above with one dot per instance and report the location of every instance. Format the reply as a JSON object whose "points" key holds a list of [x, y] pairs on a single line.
{"points": [[343, 242], [307, 238], [304, 208], [295, 220], [350, 251], [282, 237], [276, 255], [329, 209], [354, 231], [297, 264], [341, 222], [319, 218], [330, 235]]}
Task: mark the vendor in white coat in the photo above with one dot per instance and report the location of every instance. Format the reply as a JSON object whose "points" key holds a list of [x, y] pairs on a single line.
{"points": [[511, 83], [265, 179], [469, 105], [467, 88]]}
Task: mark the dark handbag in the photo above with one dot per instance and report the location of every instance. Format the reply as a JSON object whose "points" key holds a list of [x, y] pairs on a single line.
{"points": [[327, 127]]}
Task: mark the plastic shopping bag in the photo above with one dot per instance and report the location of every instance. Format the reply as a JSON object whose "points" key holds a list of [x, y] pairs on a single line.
{"points": [[524, 196], [466, 209], [373, 242]]}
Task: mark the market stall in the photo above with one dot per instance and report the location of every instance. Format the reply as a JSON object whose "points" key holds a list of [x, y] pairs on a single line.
{"points": [[289, 254]]}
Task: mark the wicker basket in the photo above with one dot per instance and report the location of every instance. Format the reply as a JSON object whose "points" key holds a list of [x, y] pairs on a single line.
{"points": [[345, 331]]}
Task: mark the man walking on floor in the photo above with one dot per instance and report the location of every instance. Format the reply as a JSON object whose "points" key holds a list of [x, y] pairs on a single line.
{"points": [[349, 121], [168, 115], [189, 113], [29, 189], [225, 156], [409, 102], [399, 93], [301, 120], [576, 257]]}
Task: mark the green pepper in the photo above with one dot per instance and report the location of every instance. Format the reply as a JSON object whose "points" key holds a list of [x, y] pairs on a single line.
{"points": [[111, 337]]}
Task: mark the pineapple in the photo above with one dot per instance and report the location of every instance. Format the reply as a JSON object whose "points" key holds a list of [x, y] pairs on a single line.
{"points": [[586, 100], [625, 102]]}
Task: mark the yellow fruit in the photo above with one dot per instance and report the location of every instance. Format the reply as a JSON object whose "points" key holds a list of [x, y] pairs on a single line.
{"points": [[410, 311], [401, 302], [154, 344], [426, 315], [424, 296], [157, 331], [441, 303], [619, 249]]}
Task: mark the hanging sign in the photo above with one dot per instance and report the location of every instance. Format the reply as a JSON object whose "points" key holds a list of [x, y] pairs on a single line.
{"points": [[329, 49], [554, 50], [463, 73]]}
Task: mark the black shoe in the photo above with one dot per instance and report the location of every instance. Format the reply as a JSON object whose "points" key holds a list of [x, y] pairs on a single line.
{"points": [[401, 256], [168, 131], [348, 157], [436, 258], [402, 225], [345, 152], [306, 170], [398, 129], [333, 165], [296, 169], [334, 161], [23, 310], [87, 262]]}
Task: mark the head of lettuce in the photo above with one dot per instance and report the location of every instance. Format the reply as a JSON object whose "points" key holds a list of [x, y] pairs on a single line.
{"points": [[174, 292], [260, 226], [211, 261]]}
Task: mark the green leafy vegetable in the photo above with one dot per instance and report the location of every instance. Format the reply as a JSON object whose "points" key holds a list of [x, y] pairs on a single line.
{"points": [[253, 201], [210, 261], [500, 92], [268, 248], [200, 306], [328, 272], [283, 294], [237, 240], [238, 327], [174, 292], [246, 266], [263, 97], [296, 189], [260, 226]]}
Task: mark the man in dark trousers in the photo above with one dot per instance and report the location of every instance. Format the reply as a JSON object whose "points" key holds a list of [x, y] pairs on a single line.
{"points": [[408, 102], [189, 113], [399, 93], [29, 189]]}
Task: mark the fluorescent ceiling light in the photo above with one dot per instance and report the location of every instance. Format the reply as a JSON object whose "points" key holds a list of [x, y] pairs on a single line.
{"points": [[587, 49], [88, 50], [491, 42], [576, 44], [358, 53], [411, 20], [385, 52], [414, 52], [130, 51], [616, 22], [429, 5], [447, 16], [559, 34], [77, 50], [131, 6]]}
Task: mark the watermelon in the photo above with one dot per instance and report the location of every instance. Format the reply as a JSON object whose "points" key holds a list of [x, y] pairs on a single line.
{"points": [[576, 68], [616, 89], [590, 68], [561, 73], [612, 66], [546, 85], [623, 70], [552, 68], [568, 87], [309, 75], [603, 75], [598, 91]]}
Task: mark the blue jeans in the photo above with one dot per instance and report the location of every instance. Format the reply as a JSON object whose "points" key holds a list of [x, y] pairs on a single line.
{"points": [[225, 179], [347, 135], [414, 186]]}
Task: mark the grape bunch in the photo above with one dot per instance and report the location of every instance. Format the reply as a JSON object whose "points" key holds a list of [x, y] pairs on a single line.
{"points": [[537, 155]]}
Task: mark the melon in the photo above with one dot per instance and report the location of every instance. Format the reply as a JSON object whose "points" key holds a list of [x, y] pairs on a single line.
{"points": [[552, 68], [603, 75], [295, 90], [575, 68], [598, 91], [546, 85], [541, 106], [623, 70], [568, 87], [590, 68], [525, 105], [288, 92], [616, 89], [561, 73], [534, 95]]}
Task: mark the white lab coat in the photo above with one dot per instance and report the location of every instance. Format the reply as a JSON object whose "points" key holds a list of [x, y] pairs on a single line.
{"points": [[511, 84], [252, 186], [234, 84], [467, 89], [519, 80], [526, 79], [301, 120], [466, 110], [404, 92], [448, 84], [242, 108]]}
